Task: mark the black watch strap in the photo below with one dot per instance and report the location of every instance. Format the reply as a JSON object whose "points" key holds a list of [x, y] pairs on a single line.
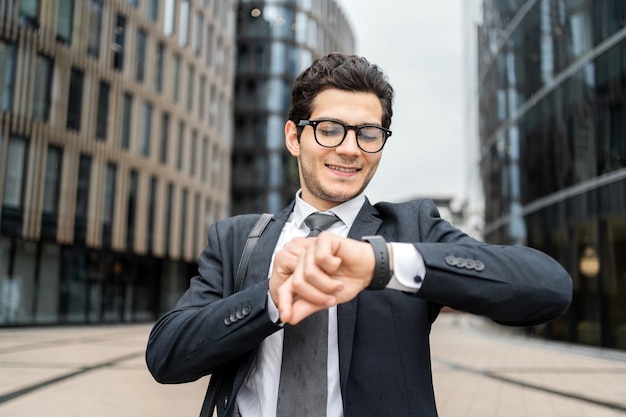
{"points": [[382, 270]]}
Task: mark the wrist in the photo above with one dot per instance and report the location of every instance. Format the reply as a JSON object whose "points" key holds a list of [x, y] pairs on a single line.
{"points": [[383, 268]]}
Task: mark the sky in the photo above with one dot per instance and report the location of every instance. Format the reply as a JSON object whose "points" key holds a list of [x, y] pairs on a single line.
{"points": [[418, 43]]}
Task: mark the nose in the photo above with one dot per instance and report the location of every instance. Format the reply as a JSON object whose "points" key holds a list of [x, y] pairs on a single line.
{"points": [[349, 145]]}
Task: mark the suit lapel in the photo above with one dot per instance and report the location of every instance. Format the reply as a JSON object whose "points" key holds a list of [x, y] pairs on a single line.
{"points": [[366, 223]]}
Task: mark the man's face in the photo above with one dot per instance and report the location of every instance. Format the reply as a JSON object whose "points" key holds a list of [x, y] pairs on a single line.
{"points": [[330, 176]]}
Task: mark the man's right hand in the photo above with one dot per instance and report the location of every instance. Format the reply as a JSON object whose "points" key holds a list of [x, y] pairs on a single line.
{"points": [[285, 262]]}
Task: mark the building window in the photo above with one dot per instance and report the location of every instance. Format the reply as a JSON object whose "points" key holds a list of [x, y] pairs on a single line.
{"points": [[15, 174], [209, 45], [7, 75], [52, 181], [168, 216], [94, 27], [142, 40], [102, 115], [193, 155], [204, 158], [153, 10], [190, 85], [75, 100], [181, 145], [42, 88], [146, 125], [170, 17], [152, 202], [215, 166], [165, 134], [183, 223], [196, 41], [131, 210], [108, 203], [176, 80], [126, 117], [160, 58], [82, 199], [65, 16], [202, 97], [118, 42], [29, 13], [183, 26]]}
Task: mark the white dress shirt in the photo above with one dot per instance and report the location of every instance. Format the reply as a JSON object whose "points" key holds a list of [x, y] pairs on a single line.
{"points": [[258, 395]]}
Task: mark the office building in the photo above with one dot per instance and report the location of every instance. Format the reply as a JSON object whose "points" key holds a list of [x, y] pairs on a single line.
{"points": [[115, 140], [276, 40], [550, 103]]}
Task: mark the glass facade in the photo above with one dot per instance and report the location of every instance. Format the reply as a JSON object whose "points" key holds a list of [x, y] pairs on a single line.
{"points": [[276, 40], [103, 212], [551, 110]]}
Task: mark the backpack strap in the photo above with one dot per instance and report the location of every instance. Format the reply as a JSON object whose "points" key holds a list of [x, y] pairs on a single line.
{"points": [[210, 399]]}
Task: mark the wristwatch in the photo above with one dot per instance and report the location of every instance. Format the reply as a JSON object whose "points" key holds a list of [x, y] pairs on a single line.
{"points": [[382, 267]]}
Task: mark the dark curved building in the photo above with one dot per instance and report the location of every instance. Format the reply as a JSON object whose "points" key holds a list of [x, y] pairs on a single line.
{"points": [[276, 40], [552, 131]]}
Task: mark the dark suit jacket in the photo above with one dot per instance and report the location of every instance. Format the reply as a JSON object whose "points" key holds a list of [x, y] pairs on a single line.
{"points": [[384, 353]]}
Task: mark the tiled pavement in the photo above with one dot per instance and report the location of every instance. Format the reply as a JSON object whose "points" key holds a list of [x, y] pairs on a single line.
{"points": [[99, 371]]}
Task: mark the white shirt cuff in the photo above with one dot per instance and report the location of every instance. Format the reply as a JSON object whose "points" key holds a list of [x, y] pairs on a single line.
{"points": [[408, 268]]}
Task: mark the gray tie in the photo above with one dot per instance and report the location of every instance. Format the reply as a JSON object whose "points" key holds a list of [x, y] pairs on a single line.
{"points": [[302, 390]]}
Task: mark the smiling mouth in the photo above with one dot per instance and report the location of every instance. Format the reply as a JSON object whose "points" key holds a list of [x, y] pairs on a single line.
{"points": [[343, 169]]}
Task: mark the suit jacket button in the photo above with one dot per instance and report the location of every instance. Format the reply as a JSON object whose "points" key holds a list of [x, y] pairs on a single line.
{"points": [[233, 317], [470, 264], [240, 315], [451, 260], [227, 321], [479, 266], [246, 310]]}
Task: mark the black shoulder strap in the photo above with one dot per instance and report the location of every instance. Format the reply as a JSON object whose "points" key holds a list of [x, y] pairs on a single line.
{"points": [[210, 399], [253, 237]]}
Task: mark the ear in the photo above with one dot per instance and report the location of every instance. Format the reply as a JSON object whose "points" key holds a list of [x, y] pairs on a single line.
{"points": [[291, 138]]}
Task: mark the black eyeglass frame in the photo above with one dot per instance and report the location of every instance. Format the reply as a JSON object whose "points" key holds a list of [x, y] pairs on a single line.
{"points": [[313, 123]]}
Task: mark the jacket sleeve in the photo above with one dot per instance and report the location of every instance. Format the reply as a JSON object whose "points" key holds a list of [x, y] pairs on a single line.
{"points": [[512, 285], [210, 325]]}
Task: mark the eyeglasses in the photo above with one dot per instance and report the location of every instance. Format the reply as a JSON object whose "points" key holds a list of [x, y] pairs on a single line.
{"points": [[331, 133]]}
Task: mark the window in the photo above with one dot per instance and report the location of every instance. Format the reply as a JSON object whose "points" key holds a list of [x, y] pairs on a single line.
{"points": [[209, 45], [118, 42], [75, 100], [202, 97], [131, 209], [168, 215], [176, 78], [183, 26], [153, 10], [196, 42], [14, 180], [152, 202], [94, 27], [190, 83], [183, 222], [181, 145], [42, 88], [65, 15], [193, 154], [7, 75], [126, 118], [165, 133], [52, 181], [142, 39], [29, 13], [146, 124], [82, 199], [158, 77], [204, 158], [103, 111], [170, 17], [108, 203]]}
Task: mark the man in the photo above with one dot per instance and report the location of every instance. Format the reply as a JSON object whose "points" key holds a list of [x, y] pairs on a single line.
{"points": [[379, 297]]}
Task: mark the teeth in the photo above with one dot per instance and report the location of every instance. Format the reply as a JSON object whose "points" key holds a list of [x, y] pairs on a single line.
{"points": [[340, 169]]}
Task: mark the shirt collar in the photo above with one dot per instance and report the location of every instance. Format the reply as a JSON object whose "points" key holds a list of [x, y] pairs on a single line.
{"points": [[346, 211]]}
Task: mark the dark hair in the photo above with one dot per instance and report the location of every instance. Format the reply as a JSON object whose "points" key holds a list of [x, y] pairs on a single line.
{"points": [[344, 72]]}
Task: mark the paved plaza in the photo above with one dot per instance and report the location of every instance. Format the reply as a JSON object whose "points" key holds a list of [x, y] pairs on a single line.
{"points": [[98, 371]]}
